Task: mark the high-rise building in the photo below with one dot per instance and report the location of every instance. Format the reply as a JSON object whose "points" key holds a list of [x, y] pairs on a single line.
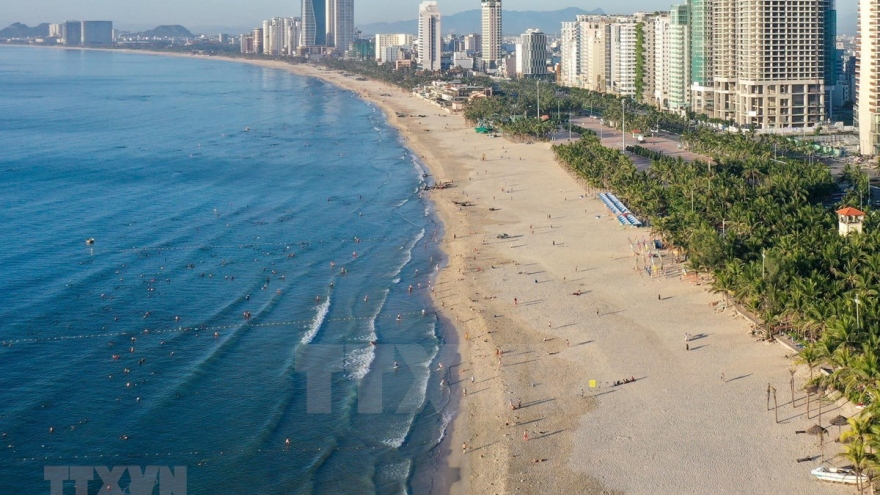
{"points": [[292, 34], [677, 94], [55, 30], [622, 57], [247, 43], [71, 33], [314, 19], [473, 43], [384, 41], [586, 59], [273, 36], [258, 40], [96, 33], [429, 36], [340, 23], [867, 109], [700, 47], [769, 62], [491, 51], [531, 54]]}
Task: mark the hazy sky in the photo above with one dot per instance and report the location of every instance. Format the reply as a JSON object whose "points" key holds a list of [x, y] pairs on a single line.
{"points": [[246, 13]]}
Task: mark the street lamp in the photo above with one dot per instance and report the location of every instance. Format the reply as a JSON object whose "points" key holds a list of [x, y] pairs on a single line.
{"points": [[538, 86], [858, 321], [763, 262], [623, 127]]}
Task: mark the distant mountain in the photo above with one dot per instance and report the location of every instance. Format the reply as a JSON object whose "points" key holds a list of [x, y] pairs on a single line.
{"points": [[19, 30], [175, 31], [513, 22]]}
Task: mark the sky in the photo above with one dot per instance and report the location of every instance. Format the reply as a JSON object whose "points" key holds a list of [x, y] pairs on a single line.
{"points": [[134, 14]]}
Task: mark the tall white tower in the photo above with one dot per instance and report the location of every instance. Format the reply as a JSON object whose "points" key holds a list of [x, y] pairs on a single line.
{"points": [[867, 110], [429, 36], [340, 23], [491, 33]]}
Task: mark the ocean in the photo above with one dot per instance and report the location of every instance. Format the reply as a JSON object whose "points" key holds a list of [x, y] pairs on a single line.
{"points": [[216, 272]]}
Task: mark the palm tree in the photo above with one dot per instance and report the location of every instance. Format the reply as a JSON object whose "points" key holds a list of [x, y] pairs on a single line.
{"points": [[860, 458]]}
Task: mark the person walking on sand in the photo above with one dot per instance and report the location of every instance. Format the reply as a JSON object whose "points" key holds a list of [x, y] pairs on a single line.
{"points": [[722, 377], [526, 435]]}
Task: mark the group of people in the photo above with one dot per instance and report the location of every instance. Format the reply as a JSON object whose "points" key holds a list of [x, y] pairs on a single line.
{"points": [[625, 380]]}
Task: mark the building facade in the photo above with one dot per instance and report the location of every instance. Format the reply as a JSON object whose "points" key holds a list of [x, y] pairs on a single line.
{"points": [[532, 54], [867, 109], [491, 21], [340, 24], [677, 95], [384, 41], [430, 40]]}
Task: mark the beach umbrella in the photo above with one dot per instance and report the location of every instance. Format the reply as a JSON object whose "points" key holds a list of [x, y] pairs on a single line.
{"points": [[838, 421], [818, 430]]}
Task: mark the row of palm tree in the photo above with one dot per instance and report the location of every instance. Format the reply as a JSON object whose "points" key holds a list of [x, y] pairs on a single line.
{"points": [[759, 225]]}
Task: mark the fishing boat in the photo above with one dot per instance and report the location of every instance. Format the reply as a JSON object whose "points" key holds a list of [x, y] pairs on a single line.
{"points": [[838, 475], [90, 240]]}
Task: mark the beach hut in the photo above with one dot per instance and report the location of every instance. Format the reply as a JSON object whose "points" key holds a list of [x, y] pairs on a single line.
{"points": [[849, 220]]}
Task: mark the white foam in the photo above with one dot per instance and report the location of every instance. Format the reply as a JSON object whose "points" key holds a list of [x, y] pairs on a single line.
{"points": [[317, 321], [408, 254], [421, 375], [399, 427], [357, 362], [398, 472], [445, 419]]}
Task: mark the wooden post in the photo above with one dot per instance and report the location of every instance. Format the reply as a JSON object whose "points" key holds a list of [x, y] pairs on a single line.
{"points": [[808, 403], [791, 383], [768, 396], [775, 406]]}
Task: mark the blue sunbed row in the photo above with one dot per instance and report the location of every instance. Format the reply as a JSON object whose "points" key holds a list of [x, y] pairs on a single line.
{"points": [[624, 216]]}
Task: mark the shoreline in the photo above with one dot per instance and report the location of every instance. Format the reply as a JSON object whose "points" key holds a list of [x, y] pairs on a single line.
{"points": [[677, 429]]}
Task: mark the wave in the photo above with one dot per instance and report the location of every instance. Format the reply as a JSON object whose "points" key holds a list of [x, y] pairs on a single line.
{"points": [[399, 429], [408, 253], [445, 419], [357, 362], [317, 321]]}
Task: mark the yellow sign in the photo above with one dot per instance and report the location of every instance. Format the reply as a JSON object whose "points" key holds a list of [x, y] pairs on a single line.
{"points": [[592, 383]]}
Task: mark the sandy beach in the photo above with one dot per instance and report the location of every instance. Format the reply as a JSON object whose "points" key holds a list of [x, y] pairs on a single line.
{"points": [[558, 302]]}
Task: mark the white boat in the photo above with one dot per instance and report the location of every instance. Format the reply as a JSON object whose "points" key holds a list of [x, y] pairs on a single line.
{"points": [[838, 475]]}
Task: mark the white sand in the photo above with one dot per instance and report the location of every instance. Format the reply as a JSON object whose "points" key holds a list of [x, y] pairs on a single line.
{"points": [[678, 429]]}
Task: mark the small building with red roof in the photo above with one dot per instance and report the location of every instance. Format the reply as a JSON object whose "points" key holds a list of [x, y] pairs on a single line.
{"points": [[849, 220]]}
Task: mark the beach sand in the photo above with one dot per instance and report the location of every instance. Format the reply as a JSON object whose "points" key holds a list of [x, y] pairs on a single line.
{"points": [[694, 421]]}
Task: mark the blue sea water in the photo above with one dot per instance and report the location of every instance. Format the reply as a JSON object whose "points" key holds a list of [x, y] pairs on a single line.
{"points": [[256, 235]]}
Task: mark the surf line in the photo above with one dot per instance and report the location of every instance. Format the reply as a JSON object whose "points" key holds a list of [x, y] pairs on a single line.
{"points": [[147, 331]]}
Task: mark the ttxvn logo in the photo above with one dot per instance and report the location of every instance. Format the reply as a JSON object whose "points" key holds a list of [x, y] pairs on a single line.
{"points": [[140, 482]]}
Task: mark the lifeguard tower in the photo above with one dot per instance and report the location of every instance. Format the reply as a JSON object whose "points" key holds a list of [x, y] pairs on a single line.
{"points": [[849, 220]]}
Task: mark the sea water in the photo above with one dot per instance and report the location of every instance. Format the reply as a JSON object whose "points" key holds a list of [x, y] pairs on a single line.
{"points": [[254, 303]]}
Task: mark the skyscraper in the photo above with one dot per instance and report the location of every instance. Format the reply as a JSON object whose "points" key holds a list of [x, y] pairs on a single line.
{"points": [[867, 110], [769, 62], [96, 32], [491, 33], [532, 54], [340, 23], [71, 32], [314, 19], [429, 36]]}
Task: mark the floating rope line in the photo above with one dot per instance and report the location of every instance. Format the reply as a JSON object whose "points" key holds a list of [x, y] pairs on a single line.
{"points": [[147, 331], [204, 455], [301, 244]]}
